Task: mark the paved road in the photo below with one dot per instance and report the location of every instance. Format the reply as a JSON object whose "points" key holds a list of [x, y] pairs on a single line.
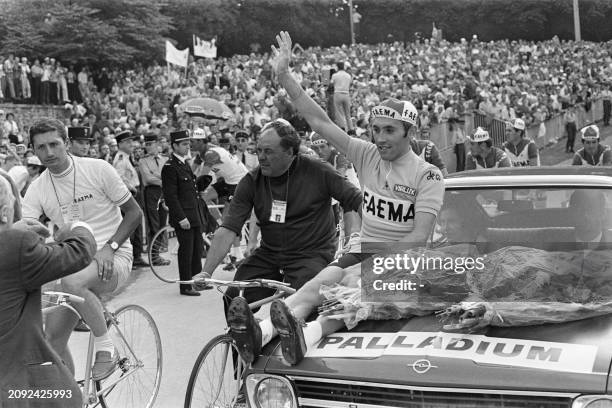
{"points": [[185, 325]]}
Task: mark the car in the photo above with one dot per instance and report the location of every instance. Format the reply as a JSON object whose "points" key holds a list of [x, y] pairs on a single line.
{"points": [[417, 362]]}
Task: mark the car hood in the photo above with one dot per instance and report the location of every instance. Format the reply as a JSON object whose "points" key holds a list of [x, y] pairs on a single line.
{"points": [[567, 357]]}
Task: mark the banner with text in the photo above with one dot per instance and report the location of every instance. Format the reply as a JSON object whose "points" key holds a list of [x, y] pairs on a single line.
{"points": [[206, 49]]}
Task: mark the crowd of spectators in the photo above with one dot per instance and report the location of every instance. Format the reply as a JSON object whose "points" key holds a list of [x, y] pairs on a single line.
{"points": [[502, 79]]}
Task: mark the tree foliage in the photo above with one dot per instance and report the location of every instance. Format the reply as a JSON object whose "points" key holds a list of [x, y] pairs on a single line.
{"points": [[92, 31], [125, 31]]}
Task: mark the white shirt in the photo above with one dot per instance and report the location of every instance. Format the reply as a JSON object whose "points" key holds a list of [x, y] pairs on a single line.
{"points": [[95, 191]]}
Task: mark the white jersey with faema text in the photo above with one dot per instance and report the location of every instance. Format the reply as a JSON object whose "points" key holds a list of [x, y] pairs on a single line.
{"points": [[393, 192], [522, 154], [90, 190]]}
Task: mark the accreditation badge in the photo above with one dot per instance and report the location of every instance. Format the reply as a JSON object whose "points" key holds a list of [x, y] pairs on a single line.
{"points": [[279, 210], [71, 212]]}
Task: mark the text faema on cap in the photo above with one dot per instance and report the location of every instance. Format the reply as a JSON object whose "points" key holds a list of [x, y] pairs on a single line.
{"points": [[396, 109], [590, 132], [517, 123], [480, 135], [178, 136]]}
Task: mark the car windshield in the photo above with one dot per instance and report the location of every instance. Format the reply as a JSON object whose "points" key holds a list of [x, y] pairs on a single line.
{"points": [[545, 244]]}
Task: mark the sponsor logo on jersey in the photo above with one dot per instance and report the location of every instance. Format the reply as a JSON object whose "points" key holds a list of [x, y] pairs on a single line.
{"points": [[387, 208], [83, 198], [400, 188]]}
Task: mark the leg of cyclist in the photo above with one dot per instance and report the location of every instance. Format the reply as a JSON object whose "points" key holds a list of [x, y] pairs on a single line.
{"points": [[88, 285], [60, 321]]}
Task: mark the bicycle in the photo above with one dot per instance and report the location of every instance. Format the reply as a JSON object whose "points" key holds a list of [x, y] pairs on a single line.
{"points": [[136, 381], [164, 247], [219, 360]]}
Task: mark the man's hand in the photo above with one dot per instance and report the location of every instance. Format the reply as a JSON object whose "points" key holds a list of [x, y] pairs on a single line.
{"points": [[105, 259], [199, 282], [61, 233], [32, 225], [184, 223], [282, 54], [249, 250]]}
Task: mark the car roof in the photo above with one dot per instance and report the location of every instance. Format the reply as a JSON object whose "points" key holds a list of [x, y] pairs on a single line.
{"points": [[516, 177]]}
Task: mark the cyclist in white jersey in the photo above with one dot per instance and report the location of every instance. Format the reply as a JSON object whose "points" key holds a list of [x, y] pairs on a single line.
{"points": [[521, 151], [402, 195], [483, 155], [228, 171], [593, 153]]}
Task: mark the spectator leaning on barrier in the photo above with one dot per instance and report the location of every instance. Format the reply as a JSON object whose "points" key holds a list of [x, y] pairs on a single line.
{"points": [[520, 150], [593, 153], [483, 155], [458, 141]]}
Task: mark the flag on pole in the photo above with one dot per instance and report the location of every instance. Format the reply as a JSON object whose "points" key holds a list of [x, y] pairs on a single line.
{"points": [[177, 57], [206, 49]]}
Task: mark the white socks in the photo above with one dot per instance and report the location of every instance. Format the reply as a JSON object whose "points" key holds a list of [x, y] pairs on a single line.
{"points": [[312, 332], [237, 253], [104, 343]]}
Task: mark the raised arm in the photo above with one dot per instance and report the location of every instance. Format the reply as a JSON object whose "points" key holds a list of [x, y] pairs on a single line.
{"points": [[306, 106]]}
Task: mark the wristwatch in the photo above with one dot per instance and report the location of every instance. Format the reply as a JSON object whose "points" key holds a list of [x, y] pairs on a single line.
{"points": [[114, 246]]}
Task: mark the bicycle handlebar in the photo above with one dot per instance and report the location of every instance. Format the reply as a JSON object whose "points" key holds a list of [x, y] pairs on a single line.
{"points": [[253, 283], [66, 296]]}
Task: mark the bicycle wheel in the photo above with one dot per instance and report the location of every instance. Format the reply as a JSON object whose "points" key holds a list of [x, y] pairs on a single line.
{"points": [[162, 248], [136, 381], [216, 378]]}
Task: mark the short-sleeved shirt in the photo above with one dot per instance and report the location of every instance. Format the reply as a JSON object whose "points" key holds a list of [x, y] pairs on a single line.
{"points": [[306, 188], [602, 157], [341, 81], [428, 151], [95, 188], [495, 158], [393, 191], [126, 170], [522, 154]]}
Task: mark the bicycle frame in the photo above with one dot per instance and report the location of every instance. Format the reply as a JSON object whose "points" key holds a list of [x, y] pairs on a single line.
{"points": [[90, 396]]}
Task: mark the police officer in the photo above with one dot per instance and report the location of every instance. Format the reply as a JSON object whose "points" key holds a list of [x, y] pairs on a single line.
{"points": [[123, 164], [181, 196], [520, 150], [593, 153], [80, 141], [483, 155], [150, 168]]}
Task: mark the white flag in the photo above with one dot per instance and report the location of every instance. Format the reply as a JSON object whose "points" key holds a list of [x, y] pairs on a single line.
{"points": [[206, 49], [175, 56]]}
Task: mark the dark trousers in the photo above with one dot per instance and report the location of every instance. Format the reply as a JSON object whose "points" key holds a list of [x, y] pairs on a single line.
{"points": [[607, 107], [53, 92], [155, 215], [36, 99], [136, 236], [267, 265], [46, 93], [570, 127], [189, 252], [460, 155]]}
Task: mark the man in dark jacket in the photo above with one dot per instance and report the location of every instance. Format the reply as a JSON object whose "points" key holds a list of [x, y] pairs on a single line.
{"points": [[181, 195], [27, 360]]}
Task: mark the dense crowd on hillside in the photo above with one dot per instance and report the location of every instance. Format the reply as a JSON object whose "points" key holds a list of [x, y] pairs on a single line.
{"points": [[501, 79]]}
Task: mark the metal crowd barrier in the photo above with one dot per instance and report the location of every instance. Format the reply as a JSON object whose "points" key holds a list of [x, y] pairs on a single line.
{"points": [[554, 130]]}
